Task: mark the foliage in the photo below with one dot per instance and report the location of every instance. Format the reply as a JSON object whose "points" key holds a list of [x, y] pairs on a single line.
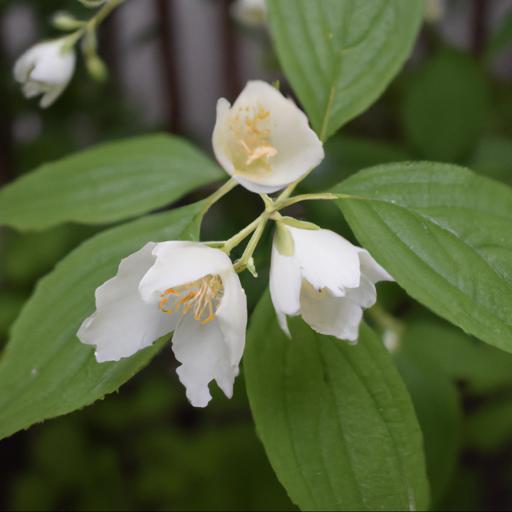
{"points": [[414, 415]]}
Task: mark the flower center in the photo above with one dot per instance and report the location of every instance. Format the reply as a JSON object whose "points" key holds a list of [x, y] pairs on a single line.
{"points": [[202, 297], [251, 131]]}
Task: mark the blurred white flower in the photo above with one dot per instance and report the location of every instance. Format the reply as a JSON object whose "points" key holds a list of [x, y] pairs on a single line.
{"points": [[434, 10], [318, 274], [264, 140], [45, 69], [185, 287], [250, 12]]}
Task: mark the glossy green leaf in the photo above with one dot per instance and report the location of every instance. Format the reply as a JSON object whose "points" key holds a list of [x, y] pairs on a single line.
{"points": [[445, 107], [45, 371], [335, 419], [106, 183], [339, 55], [444, 234]]}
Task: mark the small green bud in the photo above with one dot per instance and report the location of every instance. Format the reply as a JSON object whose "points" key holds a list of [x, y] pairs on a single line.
{"points": [[251, 267], [296, 223], [64, 21], [283, 240], [92, 4], [96, 67]]}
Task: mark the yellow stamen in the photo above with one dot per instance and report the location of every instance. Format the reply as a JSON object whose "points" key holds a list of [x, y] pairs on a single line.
{"points": [[252, 133], [203, 297]]}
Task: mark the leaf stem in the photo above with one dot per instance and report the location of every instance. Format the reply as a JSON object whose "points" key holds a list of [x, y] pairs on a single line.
{"points": [[307, 197], [104, 12], [93, 23], [244, 260], [235, 240], [219, 193], [392, 327]]}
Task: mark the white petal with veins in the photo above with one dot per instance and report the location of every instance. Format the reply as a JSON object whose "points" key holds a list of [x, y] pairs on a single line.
{"points": [[263, 140]]}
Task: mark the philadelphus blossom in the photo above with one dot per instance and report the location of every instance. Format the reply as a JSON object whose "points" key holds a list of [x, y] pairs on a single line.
{"points": [[263, 140], [45, 69], [250, 12], [434, 10], [321, 276], [185, 287]]}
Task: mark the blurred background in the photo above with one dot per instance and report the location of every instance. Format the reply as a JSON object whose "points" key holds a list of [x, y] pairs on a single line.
{"points": [[169, 62]]}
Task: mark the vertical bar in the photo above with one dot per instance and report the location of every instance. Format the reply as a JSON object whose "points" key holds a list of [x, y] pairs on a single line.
{"points": [[169, 61], [479, 26], [230, 53], [6, 137]]}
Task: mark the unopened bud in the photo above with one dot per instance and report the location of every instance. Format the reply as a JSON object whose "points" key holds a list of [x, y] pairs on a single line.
{"points": [[64, 21], [96, 67]]}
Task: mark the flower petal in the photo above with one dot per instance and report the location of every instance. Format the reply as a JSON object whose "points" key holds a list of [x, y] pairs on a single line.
{"points": [[52, 65], [365, 294], [204, 356], [50, 97], [221, 132], [123, 324], [250, 12], [232, 315], [297, 149], [371, 269], [326, 259], [330, 315], [285, 282], [179, 263]]}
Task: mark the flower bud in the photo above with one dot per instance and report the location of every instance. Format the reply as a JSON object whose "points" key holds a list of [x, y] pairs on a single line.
{"points": [[45, 69]]}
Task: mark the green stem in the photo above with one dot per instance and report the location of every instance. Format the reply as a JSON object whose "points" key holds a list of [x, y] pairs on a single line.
{"points": [[235, 240], [241, 264], [306, 197], [388, 323], [220, 192], [287, 192], [104, 12], [91, 25]]}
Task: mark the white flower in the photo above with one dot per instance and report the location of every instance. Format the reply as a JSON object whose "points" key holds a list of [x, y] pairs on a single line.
{"points": [[182, 286], [263, 140], [434, 10], [250, 12], [324, 278], [45, 69]]}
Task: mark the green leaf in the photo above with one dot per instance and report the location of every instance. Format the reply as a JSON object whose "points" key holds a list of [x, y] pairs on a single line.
{"points": [[45, 371], [335, 419], [340, 55], [444, 234], [106, 183], [445, 107], [479, 367], [437, 405]]}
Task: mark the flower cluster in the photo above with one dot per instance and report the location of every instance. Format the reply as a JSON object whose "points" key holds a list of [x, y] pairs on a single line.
{"points": [[265, 144], [46, 68]]}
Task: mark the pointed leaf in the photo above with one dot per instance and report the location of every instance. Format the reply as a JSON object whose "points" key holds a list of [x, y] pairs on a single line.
{"points": [[45, 371], [340, 55], [444, 233], [106, 183], [335, 419]]}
